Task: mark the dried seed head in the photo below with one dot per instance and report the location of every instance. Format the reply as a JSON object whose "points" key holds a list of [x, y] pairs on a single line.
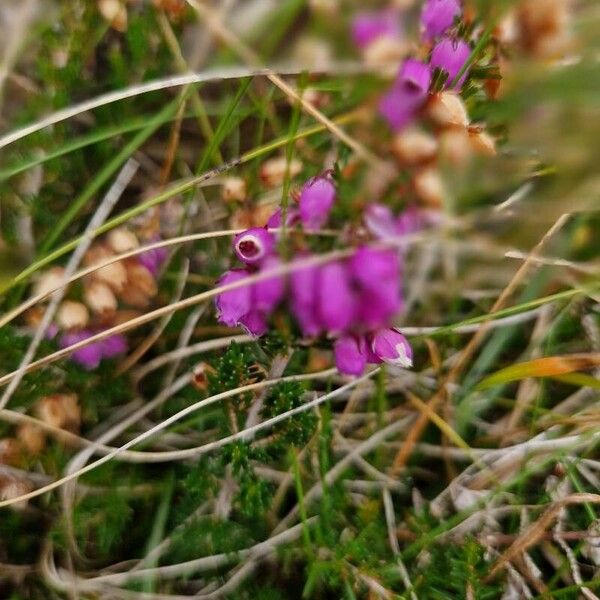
{"points": [[49, 281], [386, 51], [234, 188], [13, 487], [412, 147], [115, 12], [60, 410], [455, 146], [200, 375], [482, 143], [72, 315], [447, 109], [122, 240], [100, 298], [114, 274], [10, 451], [141, 286], [272, 171], [429, 187], [31, 437]]}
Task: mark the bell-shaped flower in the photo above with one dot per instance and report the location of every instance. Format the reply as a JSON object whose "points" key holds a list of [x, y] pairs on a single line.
{"points": [[437, 17], [336, 300], [408, 94], [254, 322], [450, 55], [316, 201], [233, 304], [303, 292], [253, 245], [267, 293], [113, 345], [392, 347], [368, 27], [349, 357], [89, 356]]}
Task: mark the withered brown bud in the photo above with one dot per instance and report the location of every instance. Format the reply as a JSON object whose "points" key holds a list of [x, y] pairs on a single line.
{"points": [[72, 315], [31, 437], [60, 410], [273, 170]]}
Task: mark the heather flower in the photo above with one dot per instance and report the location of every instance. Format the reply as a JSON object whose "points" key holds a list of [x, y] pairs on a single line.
{"points": [[379, 220], [254, 322], [303, 284], [408, 94], [438, 16], [89, 356], [336, 301], [367, 27], [349, 357], [233, 304], [113, 345], [291, 218], [153, 259], [267, 294], [392, 347], [253, 245], [316, 201], [450, 55]]}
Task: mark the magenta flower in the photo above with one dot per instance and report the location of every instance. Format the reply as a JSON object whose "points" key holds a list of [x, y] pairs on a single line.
{"points": [[316, 201], [153, 259], [267, 294], [336, 301], [113, 345], [253, 245], [437, 17], [89, 356], [392, 347], [410, 220], [380, 221], [303, 283], [372, 268], [234, 304], [450, 55], [349, 357], [292, 217], [254, 322], [370, 26], [408, 94]]}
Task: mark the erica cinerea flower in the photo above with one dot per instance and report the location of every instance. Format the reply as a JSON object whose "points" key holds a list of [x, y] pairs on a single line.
{"points": [[408, 94], [316, 201], [350, 359], [437, 17], [367, 27], [450, 55], [253, 245], [392, 347]]}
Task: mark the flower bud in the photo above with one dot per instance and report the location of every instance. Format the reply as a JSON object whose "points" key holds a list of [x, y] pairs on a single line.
{"points": [[72, 315], [253, 245], [392, 347], [122, 240], [100, 298], [316, 201], [272, 171], [234, 188], [450, 55], [447, 109], [412, 147]]}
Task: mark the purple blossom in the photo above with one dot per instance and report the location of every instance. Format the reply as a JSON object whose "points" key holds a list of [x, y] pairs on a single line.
{"points": [[380, 221], [254, 322], [392, 347], [408, 94], [450, 55], [153, 259], [303, 284], [372, 268], [89, 356], [316, 201], [349, 357], [410, 220], [267, 294], [336, 301], [437, 17], [292, 217], [113, 345], [253, 245], [234, 304], [368, 27]]}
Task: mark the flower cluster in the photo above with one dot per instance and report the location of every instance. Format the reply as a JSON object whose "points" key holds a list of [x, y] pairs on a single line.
{"points": [[352, 300], [110, 295]]}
